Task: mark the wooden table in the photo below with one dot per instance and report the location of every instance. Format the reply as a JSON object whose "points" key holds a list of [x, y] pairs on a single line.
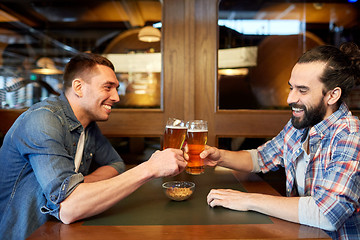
{"points": [[148, 214]]}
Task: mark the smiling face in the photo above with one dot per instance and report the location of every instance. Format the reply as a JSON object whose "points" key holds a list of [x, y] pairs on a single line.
{"points": [[99, 93], [306, 96]]}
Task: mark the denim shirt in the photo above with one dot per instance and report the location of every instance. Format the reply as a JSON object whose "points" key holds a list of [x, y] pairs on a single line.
{"points": [[37, 164]]}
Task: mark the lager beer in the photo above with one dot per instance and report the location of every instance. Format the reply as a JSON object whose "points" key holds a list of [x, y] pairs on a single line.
{"points": [[175, 133], [196, 140], [174, 137]]}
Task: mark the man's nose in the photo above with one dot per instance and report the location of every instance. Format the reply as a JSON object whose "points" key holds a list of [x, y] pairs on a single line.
{"points": [[115, 96], [292, 97]]}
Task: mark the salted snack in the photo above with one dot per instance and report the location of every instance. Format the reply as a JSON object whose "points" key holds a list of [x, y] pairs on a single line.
{"points": [[178, 190]]}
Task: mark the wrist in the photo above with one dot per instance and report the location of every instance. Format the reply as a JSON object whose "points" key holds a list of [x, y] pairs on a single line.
{"points": [[147, 171], [220, 161]]}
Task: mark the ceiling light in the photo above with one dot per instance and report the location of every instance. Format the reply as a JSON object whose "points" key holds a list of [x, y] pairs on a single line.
{"points": [[149, 34], [46, 66], [234, 72]]}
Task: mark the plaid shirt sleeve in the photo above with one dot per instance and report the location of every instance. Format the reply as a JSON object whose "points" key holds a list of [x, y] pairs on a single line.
{"points": [[337, 192]]}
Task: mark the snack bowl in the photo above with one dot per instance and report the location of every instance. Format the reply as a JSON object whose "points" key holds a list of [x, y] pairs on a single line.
{"points": [[178, 190]]}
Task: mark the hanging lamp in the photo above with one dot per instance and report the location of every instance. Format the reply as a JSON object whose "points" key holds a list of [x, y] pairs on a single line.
{"points": [[46, 66], [149, 34]]}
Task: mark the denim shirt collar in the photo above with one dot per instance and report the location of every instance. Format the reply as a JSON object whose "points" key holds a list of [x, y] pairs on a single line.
{"points": [[71, 119]]}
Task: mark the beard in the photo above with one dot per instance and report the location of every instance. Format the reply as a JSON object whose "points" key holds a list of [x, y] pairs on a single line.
{"points": [[311, 117]]}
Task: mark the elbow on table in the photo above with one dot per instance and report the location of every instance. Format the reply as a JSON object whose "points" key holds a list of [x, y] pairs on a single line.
{"points": [[67, 215], [67, 218], [66, 221]]}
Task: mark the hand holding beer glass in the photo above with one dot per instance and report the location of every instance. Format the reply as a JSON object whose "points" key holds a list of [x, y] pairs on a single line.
{"points": [[196, 140], [175, 133]]}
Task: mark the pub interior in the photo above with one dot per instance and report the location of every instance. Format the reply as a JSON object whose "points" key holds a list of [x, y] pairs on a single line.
{"points": [[225, 61]]}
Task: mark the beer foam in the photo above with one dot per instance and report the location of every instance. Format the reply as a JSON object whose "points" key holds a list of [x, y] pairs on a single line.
{"points": [[177, 121], [197, 130], [176, 127]]}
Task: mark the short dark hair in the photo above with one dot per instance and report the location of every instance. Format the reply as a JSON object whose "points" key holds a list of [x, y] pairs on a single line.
{"points": [[81, 65], [342, 66]]}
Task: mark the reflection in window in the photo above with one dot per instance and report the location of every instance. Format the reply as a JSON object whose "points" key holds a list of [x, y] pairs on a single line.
{"points": [[280, 32], [139, 77], [34, 34], [263, 27]]}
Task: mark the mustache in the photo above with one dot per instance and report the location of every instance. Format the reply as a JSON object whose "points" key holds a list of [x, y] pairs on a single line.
{"points": [[294, 105]]}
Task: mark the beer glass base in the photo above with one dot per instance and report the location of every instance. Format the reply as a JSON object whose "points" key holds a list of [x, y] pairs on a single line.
{"points": [[195, 170]]}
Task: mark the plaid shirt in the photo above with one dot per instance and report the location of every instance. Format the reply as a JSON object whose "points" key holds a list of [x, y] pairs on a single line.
{"points": [[332, 177]]}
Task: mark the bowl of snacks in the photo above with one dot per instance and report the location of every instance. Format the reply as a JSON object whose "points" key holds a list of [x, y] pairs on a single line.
{"points": [[178, 190]]}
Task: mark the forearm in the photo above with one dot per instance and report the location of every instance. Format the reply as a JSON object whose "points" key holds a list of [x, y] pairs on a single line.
{"points": [[89, 199], [280, 207], [301, 210], [285, 208], [102, 173], [236, 160]]}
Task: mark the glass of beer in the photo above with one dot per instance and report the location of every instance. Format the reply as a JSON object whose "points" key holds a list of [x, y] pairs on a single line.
{"points": [[196, 140], [175, 133]]}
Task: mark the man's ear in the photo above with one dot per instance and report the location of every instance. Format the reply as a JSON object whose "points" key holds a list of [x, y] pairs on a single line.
{"points": [[334, 96], [77, 85]]}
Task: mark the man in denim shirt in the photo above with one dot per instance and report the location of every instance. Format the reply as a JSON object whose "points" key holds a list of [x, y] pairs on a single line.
{"points": [[45, 167], [319, 149]]}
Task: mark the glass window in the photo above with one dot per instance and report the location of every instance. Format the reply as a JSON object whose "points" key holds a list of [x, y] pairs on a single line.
{"points": [[37, 39], [260, 41]]}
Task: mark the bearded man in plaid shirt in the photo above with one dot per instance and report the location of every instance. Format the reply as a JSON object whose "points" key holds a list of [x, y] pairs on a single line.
{"points": [[319, 149]]}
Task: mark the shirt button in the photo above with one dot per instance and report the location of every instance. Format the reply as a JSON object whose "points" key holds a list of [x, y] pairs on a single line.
{"points": [[53, 198]]}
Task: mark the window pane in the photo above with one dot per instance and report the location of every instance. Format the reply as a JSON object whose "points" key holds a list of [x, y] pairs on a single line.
{"points": [[37, 33], [260, 41]]}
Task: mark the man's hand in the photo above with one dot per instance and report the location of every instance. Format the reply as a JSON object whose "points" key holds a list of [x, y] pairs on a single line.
{"points": [[228, 198], [211, 156], [277, 206], [168, 162]]}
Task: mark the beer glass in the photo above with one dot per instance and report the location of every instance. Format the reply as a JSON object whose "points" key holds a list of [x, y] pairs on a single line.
{"points": [[196, 140], [175, 133]]}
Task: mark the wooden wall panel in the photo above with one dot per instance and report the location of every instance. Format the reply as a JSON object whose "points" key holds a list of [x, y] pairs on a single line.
{"points": [[206, 63], [174, 54], [189, 75], [137, 123], [190, 60], [250, 123]]}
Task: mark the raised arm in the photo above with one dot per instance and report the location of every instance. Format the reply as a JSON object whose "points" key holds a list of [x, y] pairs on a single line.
{"points": [[236, 160], [89, 199], [102, 173]]}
